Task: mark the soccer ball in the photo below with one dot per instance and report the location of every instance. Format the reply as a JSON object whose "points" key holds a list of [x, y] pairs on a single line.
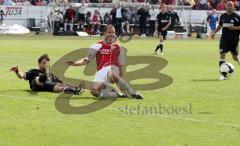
{"points": [[226, 69]]}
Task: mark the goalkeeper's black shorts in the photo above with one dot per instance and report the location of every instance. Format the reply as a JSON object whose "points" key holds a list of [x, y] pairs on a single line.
{"points": [[47, 86]]}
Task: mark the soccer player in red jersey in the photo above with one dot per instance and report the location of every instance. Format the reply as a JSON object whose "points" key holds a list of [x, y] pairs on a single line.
{"points": [[109, 59]]}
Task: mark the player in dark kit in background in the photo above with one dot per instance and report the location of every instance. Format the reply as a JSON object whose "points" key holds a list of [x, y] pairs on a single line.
{"points": [[41, 80], [162, 24], [230, 24]]}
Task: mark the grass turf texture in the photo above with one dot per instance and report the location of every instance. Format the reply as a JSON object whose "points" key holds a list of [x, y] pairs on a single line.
{"points": [[29, 118]]}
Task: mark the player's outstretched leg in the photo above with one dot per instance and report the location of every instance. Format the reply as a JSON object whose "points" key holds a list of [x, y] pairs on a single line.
{"points": [[123, 85], [67, 89]]}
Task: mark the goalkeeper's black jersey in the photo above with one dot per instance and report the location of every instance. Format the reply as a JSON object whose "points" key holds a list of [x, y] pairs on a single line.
{"points": [[33, 73]]}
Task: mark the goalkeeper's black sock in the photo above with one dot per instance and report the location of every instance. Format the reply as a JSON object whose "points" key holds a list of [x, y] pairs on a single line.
{"points": [[221, 62], [71, 90]]}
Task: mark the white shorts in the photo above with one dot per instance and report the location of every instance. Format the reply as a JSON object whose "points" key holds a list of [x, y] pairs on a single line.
{"points": [[102, 74]]}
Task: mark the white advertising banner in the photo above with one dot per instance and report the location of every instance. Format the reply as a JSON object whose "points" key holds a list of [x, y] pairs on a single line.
{"points": [[20, 14]]}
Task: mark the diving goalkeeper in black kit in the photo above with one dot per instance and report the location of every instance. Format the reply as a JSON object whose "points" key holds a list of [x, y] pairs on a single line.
{"points": [[40, 80]]}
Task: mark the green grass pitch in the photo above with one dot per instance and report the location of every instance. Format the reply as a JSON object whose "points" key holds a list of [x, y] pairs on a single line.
{"points": [[211, 108]]}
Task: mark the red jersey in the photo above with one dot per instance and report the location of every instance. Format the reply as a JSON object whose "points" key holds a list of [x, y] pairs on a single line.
{"points": [[106, 54], [70, 14], [95, 18]]}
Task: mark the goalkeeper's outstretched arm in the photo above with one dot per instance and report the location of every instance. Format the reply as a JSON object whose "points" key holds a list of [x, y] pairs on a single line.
{"points": [[19, 74]]}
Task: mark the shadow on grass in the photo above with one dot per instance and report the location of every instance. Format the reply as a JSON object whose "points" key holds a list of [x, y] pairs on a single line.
{"points": [[23, 90], [204, 80], [73, 97], [36, 93]]}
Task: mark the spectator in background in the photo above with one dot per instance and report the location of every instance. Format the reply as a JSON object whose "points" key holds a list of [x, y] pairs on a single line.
{"points": [[8, 2], [153, 2], [18, 3], [153, 16], [105, 1], [143, 15], [208, 27], [168, 2], [126, 20], [62, 3], [107, 19], [119, 19], [81, 16], [237, 5], [196, 6], [214, 3], [203, 4], [188, 2], [1, 2], [39, 3], [95, 22], [134, 17], [57, 19], [113, 15], [32, 2], [1, 16], [45, 2], [69, 18], [94, 1], [174, 18], [101, 20], [88, 19], [212, 22], [26, 3], [220, 6]]}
